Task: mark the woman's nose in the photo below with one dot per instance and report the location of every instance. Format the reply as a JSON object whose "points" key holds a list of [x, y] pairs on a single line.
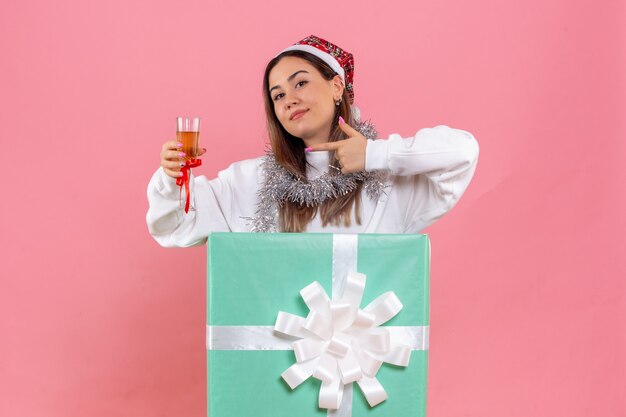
{"points": [[291, 99]]}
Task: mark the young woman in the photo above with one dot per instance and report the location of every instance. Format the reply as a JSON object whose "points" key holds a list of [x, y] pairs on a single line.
{"points": [[326, 172]]}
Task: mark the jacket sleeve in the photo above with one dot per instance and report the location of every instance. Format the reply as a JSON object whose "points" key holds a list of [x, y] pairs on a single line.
{"points": [[171, 226], [429, 172]]}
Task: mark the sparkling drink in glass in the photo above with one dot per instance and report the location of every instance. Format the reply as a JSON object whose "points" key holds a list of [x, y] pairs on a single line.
{"points": [[188, 133]]}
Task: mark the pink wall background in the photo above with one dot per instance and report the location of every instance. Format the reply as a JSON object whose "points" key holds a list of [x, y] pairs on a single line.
{"points": [[528, 293]]}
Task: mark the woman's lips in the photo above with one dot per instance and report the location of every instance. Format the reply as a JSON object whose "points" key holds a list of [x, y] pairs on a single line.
{"points": [[299, 115]]}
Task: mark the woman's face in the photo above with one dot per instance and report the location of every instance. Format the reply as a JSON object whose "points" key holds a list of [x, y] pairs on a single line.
{"points": [[296, 86]]}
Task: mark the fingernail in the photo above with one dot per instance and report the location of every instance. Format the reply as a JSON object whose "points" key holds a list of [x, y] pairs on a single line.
{"points": [[180, 174], [181, 154], [180, 145], [341, 120], [182, 164], [309, 149]]}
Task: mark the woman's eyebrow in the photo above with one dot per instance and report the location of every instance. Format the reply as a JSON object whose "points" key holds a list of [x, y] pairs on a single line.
{"points": [[289, 79]]}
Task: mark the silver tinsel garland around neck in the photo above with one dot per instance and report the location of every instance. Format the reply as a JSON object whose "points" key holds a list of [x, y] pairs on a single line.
{"points": [[282, 186]]}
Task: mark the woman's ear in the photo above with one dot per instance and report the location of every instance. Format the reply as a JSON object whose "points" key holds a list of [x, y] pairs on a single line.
{"points": [[338, 87]]}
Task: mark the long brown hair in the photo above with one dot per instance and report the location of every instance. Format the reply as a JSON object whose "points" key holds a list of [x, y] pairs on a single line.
{"points": [[289, 153]]}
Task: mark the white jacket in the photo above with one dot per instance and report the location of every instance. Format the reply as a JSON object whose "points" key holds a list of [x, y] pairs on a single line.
{"points": [[427, 175]]}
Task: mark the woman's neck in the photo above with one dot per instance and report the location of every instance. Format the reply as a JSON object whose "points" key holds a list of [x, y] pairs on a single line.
{"points": [[321, 137]]}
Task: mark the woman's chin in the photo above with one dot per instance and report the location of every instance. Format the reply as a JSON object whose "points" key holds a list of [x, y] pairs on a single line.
{"points": [[303, 131], [300, 133]]}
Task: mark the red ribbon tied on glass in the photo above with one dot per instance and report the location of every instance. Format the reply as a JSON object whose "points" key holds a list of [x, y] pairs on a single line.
{"points": [[183, 182]]}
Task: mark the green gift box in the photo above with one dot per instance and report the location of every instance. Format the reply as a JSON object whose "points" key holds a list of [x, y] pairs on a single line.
{"points": [[254, 276]]}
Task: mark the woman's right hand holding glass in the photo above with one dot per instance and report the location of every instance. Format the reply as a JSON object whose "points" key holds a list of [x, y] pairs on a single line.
{"points": [[173, 158]]}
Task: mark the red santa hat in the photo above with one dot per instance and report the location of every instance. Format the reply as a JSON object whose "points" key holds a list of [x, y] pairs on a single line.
{"points": [[341, 61]]}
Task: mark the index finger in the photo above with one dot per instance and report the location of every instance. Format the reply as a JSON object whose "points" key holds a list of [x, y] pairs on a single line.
{"points": [[328, 146], [171, 145], [351, 131]]}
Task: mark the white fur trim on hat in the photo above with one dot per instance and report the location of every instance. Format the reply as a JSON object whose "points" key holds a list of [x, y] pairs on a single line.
{"points": [[328, 58], [356, 113]]}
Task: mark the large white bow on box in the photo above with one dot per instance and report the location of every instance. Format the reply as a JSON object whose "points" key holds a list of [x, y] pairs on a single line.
{"points": [[341, 343], [338, 342]]}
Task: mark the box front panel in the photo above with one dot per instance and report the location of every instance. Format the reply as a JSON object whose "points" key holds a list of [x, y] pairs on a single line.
{"points": [[254, 276]]}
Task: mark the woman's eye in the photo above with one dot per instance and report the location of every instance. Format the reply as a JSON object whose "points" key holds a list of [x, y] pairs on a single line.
{"points": [[278, 96]]}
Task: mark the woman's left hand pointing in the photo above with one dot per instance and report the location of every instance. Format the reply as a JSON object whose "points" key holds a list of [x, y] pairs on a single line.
{"points": [[350, 152]]}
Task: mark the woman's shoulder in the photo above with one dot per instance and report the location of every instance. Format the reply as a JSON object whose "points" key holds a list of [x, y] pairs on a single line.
{"points": [[247, 164], [244, 170]]}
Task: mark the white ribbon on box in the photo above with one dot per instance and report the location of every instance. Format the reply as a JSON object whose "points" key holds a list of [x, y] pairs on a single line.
{"points": [[337, 343]]}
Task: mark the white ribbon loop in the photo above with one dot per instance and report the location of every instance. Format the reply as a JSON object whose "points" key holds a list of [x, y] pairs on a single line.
{"points": [[342, 314], [369, 364], [290, 324], [363, 320], [375, 340], [326, 369], [297, 373], [340, 343], [306, 349], [350, 368], [314, 296], [331, 394], [373, 390], [318, 323], [398, 355], [384, 307]]}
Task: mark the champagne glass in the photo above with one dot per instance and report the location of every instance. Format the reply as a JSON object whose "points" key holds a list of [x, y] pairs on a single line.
{"points": [[188, 133]]}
